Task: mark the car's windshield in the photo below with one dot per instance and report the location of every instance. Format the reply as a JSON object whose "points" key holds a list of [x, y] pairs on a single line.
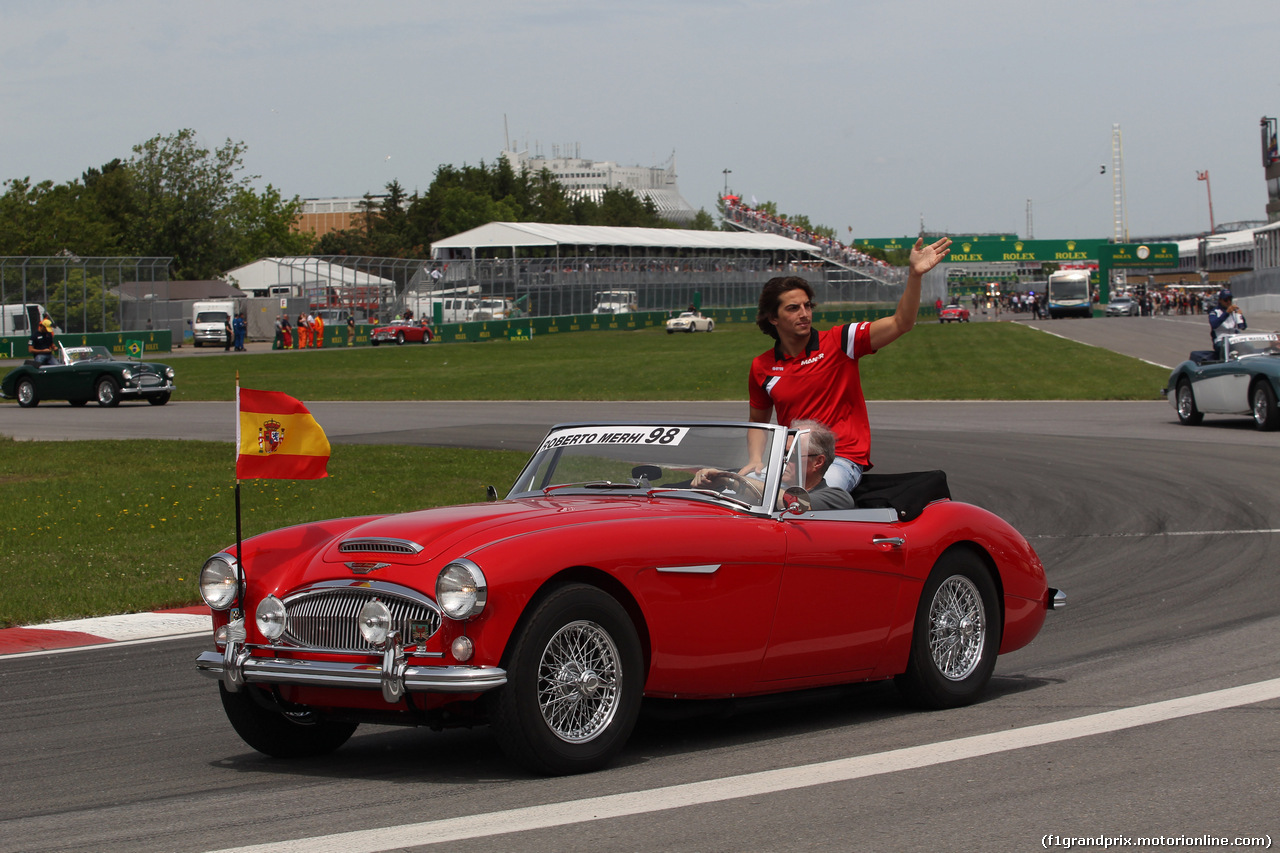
{"points": [[659, 459], [1249, 345], [87, 354]]}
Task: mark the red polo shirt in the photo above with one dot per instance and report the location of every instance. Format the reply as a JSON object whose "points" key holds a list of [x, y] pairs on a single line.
{"points": [[821, 385]]}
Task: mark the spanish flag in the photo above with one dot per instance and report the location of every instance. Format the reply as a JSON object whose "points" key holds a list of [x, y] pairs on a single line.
{"points": [[277, 439]]}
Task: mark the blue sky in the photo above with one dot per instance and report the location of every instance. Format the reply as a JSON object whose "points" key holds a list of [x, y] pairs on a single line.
{"points": [[868, 116]]}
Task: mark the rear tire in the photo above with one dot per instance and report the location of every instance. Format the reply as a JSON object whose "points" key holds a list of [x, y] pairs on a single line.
{"points": [[956, 635], [282, 735], [575, 678], [27, 396], [1263, 402]]}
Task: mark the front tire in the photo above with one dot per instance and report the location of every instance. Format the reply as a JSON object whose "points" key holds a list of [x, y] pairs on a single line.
{"points": [[1265, 414], [158, 399], [576, 676], [27, 396], [1186, 404], [282, 735], [107, 392], [399, 338], [956, 635]]}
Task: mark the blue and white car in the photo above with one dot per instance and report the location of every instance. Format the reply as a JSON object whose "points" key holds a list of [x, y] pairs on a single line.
{"points": [[1240, 377]]}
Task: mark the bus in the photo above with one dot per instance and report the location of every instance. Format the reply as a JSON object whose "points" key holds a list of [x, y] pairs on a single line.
{"points": [[1070, 294]]}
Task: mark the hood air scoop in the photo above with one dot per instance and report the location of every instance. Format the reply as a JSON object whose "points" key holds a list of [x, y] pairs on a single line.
{"points": [[378, 545]]}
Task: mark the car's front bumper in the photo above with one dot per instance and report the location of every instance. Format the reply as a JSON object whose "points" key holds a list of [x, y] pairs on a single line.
{"points": [[129, 390], [235, 667]]}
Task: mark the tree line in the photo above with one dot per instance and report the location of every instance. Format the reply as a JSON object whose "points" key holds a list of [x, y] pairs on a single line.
{"points": [[176, 198]]}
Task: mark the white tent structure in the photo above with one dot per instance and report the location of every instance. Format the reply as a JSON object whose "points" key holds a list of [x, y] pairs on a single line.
{"points": [[516, 239], [299, 276]]}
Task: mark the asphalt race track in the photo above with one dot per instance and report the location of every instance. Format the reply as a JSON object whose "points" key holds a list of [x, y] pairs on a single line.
{"points": [[1164, 538]]}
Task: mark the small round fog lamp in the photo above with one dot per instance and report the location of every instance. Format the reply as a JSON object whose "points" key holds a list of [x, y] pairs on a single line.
{"points": [[271, 617], [462, 649], [375, 622]]}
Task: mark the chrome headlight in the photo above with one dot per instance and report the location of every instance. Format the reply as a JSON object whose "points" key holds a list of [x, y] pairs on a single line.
{"points": [[168, 373], [220, 581], [126, 374], [271, 617], [461, 590], [374, 620]]}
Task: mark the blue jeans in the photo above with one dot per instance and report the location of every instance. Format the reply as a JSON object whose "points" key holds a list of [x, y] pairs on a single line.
{"points": [[843, 474]]}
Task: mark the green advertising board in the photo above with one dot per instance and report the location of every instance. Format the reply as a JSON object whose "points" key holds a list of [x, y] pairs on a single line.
{"points": [[1141, 256]]}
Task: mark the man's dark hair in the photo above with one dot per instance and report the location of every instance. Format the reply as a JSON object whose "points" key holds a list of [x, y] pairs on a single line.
{"points": [[772, 295]]}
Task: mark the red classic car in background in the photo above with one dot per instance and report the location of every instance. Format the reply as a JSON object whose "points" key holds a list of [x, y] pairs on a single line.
{"points": [[954, 313], [606, 576], [400, 331]]}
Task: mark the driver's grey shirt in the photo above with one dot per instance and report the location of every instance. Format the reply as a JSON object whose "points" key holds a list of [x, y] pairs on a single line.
{"points": [[830, 497]]}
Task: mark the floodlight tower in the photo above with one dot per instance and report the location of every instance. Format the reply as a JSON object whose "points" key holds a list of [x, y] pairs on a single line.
{"points": [[1121, 230]]}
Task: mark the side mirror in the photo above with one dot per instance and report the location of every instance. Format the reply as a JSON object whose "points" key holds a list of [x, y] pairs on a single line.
{"points": [[490, 494], [795, 500]]}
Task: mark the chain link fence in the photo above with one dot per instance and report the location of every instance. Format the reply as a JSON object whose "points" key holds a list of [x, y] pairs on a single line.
{"points": [[80, 294]]}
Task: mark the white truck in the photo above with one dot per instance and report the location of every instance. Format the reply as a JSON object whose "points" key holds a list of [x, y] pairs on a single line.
{"points": [[615, 302], [19, 318], [209, 322], [459, 307]]}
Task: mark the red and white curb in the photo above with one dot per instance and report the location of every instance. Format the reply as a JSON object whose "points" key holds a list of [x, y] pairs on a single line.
{"points": [[53, 637]]}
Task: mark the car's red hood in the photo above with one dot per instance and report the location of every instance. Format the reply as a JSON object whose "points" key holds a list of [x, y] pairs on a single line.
{"points": [[458, 530]]}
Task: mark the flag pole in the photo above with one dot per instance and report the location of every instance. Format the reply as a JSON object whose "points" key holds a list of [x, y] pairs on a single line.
{"points": [[239, 552]]}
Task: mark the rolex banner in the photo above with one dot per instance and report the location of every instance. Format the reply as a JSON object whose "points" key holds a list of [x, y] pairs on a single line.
{"points": [[277, 439]]}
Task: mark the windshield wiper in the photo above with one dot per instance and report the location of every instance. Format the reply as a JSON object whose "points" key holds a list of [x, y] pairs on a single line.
{"points": [[594, 484]]}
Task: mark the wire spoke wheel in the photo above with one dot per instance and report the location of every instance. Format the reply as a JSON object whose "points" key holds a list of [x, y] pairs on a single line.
{"points": [[957, 628], [575, 676], [579, 682], [956, 635]]}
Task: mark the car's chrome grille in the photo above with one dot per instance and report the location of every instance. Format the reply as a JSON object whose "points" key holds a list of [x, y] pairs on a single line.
{"points": [[326, 618], [149, 380], [379, 545]]}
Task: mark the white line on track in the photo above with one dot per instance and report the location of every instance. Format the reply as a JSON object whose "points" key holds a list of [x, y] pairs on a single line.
{"points": [[757, 784], [1261, 530]]}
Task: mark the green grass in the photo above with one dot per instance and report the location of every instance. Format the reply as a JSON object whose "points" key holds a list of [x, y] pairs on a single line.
{"points": [[84, 535], [980, 361]]}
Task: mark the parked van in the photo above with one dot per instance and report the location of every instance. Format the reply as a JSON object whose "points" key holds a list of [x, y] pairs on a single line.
{"points": [[615, 302], [494, 308], [209, 322], [20, 318], [453, 309]]}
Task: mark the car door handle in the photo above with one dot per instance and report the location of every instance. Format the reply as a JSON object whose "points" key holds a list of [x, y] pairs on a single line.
{"points": [[892, 541]]}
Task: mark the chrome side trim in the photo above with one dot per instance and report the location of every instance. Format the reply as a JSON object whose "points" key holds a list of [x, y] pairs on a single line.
{"points": [[708, 569], [366, 676]]}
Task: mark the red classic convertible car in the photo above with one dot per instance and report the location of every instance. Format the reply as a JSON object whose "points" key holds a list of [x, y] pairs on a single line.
{"points": [[605, 576], [400, 331], [954, 313]]}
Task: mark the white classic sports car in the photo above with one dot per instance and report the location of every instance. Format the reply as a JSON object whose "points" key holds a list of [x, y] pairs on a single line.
{"points": [[690, 321]]}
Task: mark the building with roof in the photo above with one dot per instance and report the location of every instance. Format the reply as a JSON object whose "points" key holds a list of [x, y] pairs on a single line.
{"points": [[588, 179], [323, 215]]}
